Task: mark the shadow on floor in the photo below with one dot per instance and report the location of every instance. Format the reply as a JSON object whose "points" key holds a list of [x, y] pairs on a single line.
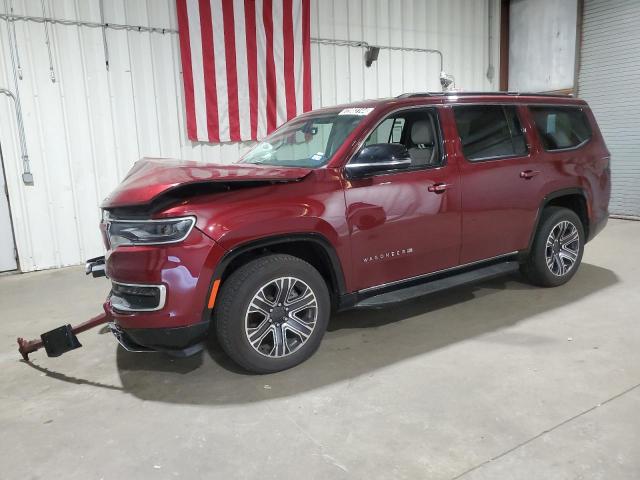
{"points": [[357, 342]]}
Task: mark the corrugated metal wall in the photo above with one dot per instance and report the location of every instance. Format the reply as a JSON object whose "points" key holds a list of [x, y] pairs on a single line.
{"points": [[85, 130], [609, 80]]}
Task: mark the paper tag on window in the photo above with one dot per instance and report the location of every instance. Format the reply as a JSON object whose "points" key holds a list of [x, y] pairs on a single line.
{"points": [[356, 111], [317, 157]]}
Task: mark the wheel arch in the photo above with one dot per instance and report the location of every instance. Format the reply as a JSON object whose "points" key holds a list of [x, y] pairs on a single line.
{"points": [[311, 247], [574, 199]]}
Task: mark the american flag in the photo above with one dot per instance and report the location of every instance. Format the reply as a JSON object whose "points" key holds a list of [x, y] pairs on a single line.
{"points": [[246, 66]]}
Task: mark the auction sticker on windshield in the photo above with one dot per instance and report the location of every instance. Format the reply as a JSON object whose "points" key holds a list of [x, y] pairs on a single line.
{"points": [[356, 111]]}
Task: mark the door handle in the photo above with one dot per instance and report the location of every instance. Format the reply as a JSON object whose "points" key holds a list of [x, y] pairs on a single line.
{"points": [[528, 174], [439, 187]]}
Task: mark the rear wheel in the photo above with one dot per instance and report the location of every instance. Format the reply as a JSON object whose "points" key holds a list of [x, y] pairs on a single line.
{"points": [[557, 248], [272, 313]]}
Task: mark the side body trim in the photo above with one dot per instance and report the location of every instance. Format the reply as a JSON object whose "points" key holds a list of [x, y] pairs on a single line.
{"points": [[352, 299], [438, 272]]}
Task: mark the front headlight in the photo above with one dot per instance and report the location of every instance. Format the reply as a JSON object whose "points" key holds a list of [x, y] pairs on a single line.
{"points": [[148, 232]]}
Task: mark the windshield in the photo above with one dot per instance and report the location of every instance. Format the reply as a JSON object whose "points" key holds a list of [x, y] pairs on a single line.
{"points": [[306, 142]]}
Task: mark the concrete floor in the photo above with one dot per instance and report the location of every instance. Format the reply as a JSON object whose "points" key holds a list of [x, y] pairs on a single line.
{"points": [[501, 380]]}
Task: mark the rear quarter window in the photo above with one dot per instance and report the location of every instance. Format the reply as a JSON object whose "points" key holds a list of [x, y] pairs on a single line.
{"points": [[560, 128]]}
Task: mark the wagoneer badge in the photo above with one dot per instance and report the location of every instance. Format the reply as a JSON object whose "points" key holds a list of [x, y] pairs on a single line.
{"points": [[390, 254]]}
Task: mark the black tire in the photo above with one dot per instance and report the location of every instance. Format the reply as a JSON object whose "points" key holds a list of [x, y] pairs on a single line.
{"points": [[236, 295], [535, 268]]}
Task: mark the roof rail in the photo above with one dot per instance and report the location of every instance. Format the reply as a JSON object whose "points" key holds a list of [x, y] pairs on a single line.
{"points": [[464, 94], [417, 94]]}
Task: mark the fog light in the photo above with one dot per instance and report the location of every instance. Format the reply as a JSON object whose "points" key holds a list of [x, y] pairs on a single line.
{"points": [[137, 298]]}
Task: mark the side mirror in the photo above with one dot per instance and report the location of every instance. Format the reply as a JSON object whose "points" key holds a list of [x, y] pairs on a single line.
{"points": [[379, 158]]}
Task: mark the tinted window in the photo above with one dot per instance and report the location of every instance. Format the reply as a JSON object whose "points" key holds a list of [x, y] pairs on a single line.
{"points": [[415, 129], [489, 131], [561, 127]]}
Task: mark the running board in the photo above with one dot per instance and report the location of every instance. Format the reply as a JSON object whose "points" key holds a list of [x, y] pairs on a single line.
{"points": [[437, 285]]}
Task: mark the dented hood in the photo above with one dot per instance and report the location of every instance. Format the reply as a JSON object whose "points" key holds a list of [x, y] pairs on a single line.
{"points": [[149, 178]]}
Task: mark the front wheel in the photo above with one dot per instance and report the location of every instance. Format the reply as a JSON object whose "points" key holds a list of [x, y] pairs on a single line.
{"points": [[557, 248], [272, 313]]}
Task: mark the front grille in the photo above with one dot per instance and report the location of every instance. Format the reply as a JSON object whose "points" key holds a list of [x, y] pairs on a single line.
{"points": [[137, 298]]}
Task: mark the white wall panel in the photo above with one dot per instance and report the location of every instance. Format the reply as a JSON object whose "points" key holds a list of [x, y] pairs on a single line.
{"points": [[542, 45], [85, 130]]}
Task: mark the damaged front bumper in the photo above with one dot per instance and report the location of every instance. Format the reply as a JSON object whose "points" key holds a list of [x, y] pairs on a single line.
{"points": [[161, 339], [95, 267], [158, 300]]}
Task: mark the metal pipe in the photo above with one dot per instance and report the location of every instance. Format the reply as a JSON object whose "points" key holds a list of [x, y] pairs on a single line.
{"points": [[52, 73], [104, 35], [76, 23], [138, 28], [27, 176], [15, 42], [363, 44]]}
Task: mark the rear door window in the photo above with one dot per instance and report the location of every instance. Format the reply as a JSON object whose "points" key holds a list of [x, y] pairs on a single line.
{"points": [[561, 127], [489, 131]]}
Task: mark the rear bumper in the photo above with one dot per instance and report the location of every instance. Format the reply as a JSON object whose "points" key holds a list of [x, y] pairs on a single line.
{"points": [[597, 225]]}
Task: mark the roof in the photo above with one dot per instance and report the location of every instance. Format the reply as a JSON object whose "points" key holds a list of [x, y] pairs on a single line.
{"points": [[425, 98], [499, 97], [482, 94]]}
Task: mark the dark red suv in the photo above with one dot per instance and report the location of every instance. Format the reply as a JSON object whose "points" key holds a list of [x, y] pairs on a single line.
{"points": [[351, 206]]}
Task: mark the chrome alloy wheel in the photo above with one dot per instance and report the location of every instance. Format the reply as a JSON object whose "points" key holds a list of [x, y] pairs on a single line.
{"points": [[281, 317], [562, 248]]}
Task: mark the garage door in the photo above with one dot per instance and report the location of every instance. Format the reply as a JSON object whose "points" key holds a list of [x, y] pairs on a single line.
{"points": [[609, 79]]}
